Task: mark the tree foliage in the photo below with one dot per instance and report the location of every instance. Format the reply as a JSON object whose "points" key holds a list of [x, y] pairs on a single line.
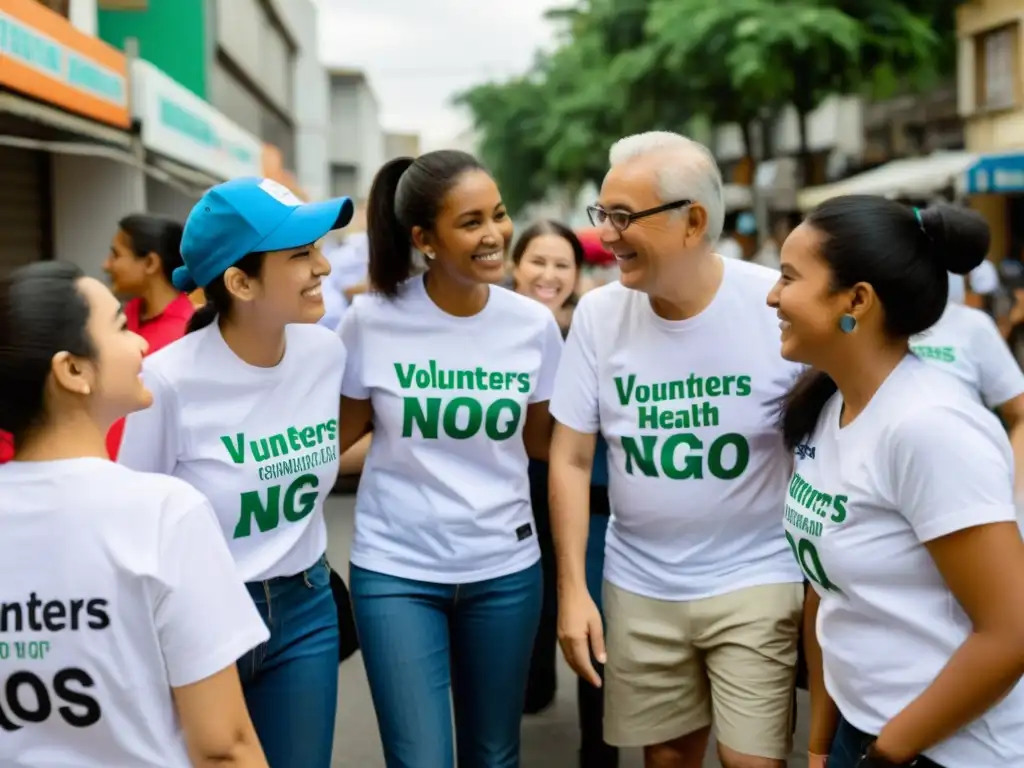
{"points": [[625, 66]]}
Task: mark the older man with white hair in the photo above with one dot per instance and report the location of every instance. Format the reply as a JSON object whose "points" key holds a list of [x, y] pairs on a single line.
{"points": [[678, 366]]}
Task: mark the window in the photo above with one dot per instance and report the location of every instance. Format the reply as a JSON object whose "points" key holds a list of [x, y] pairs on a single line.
{"points": [[997, 68]]}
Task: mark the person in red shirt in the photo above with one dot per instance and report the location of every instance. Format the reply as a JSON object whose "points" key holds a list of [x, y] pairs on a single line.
{"points": [[143, 254]]}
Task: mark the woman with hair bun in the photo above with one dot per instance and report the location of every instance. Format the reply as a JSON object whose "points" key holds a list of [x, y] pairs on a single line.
{"points": [[122, 613], [900, 510]]}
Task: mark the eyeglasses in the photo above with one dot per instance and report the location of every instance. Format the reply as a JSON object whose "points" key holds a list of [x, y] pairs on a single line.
{"points": [[622, 219]]}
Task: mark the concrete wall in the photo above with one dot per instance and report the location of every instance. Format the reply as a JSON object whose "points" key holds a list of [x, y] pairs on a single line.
{"points": [[90, 195], [311, 91]]}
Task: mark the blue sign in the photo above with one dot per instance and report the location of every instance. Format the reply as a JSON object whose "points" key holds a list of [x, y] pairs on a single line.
{"points": [[995, 174]]}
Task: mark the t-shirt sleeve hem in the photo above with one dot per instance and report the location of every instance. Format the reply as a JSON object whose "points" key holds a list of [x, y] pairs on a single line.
{"points": [[1004, 392], [590, 428], [221, 658], [960, 520], [355, 392]]}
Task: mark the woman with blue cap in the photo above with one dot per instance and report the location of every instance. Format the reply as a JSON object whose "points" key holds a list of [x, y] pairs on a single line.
{"points": [[246, 410]]}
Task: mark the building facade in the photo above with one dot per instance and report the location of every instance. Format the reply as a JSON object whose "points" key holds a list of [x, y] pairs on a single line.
{"points": [[991, 100], [357, 145], [255, 61]]}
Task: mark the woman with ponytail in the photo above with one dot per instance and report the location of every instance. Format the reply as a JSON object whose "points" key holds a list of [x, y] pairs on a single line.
{"points": [[453, 373], [901, 510], [246, 410]]}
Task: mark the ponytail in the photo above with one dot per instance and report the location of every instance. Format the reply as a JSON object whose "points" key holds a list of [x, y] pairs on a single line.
{"points": [[803, 404], [390, 247], [407, 193], [202, 317]]}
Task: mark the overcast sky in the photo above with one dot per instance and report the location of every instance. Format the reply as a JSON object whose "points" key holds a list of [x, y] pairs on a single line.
{"points": [[419, 53]]}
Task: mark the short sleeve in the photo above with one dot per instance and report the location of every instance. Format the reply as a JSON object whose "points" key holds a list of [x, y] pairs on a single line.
{"points": [[1001, 378], [352, 383], [151, 436], [575, 400], [205, 618], [551, 354], [952, 470]]}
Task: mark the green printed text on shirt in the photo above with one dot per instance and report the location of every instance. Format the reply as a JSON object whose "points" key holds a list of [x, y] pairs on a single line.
{"points": [[939, 354], [464, 415], [676, 408], [808, 511], [294, 453]]}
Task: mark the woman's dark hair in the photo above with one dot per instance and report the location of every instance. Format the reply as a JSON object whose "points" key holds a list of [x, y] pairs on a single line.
{"points": [[42, 313], [218, 298], [905, 254], [407, 193], [548, 227], [155, 234]]}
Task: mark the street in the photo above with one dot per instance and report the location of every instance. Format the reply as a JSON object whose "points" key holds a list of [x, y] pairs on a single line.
{"points": [[549, 739]]}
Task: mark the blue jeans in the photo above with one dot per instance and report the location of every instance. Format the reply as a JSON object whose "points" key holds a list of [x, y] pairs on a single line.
{"points": [[291, 681], [421, 640], [849, 745]]}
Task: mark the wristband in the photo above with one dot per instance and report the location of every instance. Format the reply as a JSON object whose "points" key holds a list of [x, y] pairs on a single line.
{"points": [[871, 759]]}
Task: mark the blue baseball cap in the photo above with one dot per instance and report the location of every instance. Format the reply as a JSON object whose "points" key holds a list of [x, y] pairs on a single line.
{"points": [[248, 215]]}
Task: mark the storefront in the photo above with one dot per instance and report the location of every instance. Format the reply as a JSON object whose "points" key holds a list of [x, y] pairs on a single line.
{"points": [[995, 184], [913, 179], [190, 146], [64, 123]]}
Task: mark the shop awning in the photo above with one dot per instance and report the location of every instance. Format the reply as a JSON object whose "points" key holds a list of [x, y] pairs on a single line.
{"points": [[915, 177], [996, 174], [185, 180]]}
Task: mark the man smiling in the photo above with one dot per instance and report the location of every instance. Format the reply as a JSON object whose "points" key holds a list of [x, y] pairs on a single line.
{"points": [[678, 367]]}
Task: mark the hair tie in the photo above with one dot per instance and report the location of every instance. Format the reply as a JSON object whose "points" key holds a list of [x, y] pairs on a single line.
{"points": [[920, 220]]}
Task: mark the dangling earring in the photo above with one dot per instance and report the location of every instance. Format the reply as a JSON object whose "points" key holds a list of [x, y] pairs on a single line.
{"points": [[429, 256], [847, 323]]}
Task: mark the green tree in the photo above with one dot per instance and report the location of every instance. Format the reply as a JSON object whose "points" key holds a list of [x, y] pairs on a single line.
{"points": [[509, 118]]}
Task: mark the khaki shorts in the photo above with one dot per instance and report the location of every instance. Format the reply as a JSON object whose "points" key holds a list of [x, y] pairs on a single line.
{"points": [[677, 667]]}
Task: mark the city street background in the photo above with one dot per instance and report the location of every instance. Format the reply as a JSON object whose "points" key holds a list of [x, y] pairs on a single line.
{"points": [[549, 739]]}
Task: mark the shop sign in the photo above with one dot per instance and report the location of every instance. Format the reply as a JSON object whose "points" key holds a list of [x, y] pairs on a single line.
{"points": [[996, 174], [181, 126], [43, 56]]}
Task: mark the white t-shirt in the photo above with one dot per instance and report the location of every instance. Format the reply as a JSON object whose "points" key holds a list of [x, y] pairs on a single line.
{"points": [[698, 470], [923, 460], [966, 343], [260, 443], [115, 586], [444, 496]]}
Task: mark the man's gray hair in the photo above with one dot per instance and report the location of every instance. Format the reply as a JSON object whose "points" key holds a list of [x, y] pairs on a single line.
{"points": [[689, 173]]}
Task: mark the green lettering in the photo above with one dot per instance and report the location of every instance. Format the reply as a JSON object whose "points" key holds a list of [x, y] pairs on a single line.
{"points": [[743, 386], [625, 389], [451, 412], [740, 461], [839, 505], [426, 421], [810, 563], [306, 502], [692, 464], [644, 460], [267, 516], [524, 382], [405, 375], [492, 423], [495, 380], [236, 447]]}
